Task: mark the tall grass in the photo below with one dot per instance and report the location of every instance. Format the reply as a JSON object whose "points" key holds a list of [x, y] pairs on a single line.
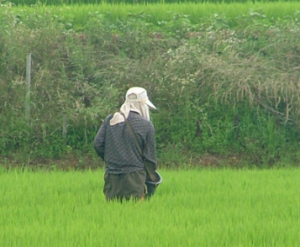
{"points": [[191, 208], [223, 84]]}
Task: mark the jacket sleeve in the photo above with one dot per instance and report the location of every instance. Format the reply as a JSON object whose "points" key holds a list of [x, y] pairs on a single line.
{"points": [[99, 141], [150, 148]]}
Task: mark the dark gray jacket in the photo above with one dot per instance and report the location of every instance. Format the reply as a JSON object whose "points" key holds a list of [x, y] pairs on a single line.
{"points": [[116, 146]]}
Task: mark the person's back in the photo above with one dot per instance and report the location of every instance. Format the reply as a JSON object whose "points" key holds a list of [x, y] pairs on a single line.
{"points": [[125, 174]]}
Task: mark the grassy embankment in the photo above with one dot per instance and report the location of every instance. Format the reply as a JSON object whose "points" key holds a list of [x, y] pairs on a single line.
{"points": [[224, 78]]}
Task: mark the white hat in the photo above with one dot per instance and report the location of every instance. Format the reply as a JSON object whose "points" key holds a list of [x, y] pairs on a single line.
{"points": [[138, 94]]}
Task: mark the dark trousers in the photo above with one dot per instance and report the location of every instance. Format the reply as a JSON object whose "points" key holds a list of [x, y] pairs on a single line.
{"points": [[124, 186]]}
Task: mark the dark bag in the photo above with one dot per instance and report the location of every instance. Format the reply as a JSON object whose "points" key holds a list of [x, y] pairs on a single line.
{"points": [[152, 185]]}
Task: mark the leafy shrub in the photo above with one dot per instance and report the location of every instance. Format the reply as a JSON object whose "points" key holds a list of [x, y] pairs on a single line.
{"points": [[219, 90]]}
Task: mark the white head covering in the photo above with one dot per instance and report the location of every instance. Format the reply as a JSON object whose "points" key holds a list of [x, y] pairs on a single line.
{"points": [[136, 100]]}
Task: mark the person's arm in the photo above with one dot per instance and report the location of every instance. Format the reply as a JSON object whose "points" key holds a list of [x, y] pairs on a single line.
{"points": [[150, 148], [99, 141]]}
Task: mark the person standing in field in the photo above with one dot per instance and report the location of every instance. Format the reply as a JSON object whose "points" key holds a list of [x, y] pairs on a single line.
{"points": [[125, 173]]}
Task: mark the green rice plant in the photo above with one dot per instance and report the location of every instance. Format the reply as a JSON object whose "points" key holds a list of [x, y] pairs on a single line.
{"points": [[200, 207]]}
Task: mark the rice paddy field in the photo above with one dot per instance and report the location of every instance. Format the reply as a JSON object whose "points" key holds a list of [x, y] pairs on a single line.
{"points": [[199, 207], [193, 207]]}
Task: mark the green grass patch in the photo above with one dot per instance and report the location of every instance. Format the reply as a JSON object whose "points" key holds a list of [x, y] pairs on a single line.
{"points": [[78, 14], [191, 208]]}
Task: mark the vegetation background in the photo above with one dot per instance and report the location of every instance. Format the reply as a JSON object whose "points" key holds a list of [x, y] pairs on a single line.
{"points": [[225, 79]]}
